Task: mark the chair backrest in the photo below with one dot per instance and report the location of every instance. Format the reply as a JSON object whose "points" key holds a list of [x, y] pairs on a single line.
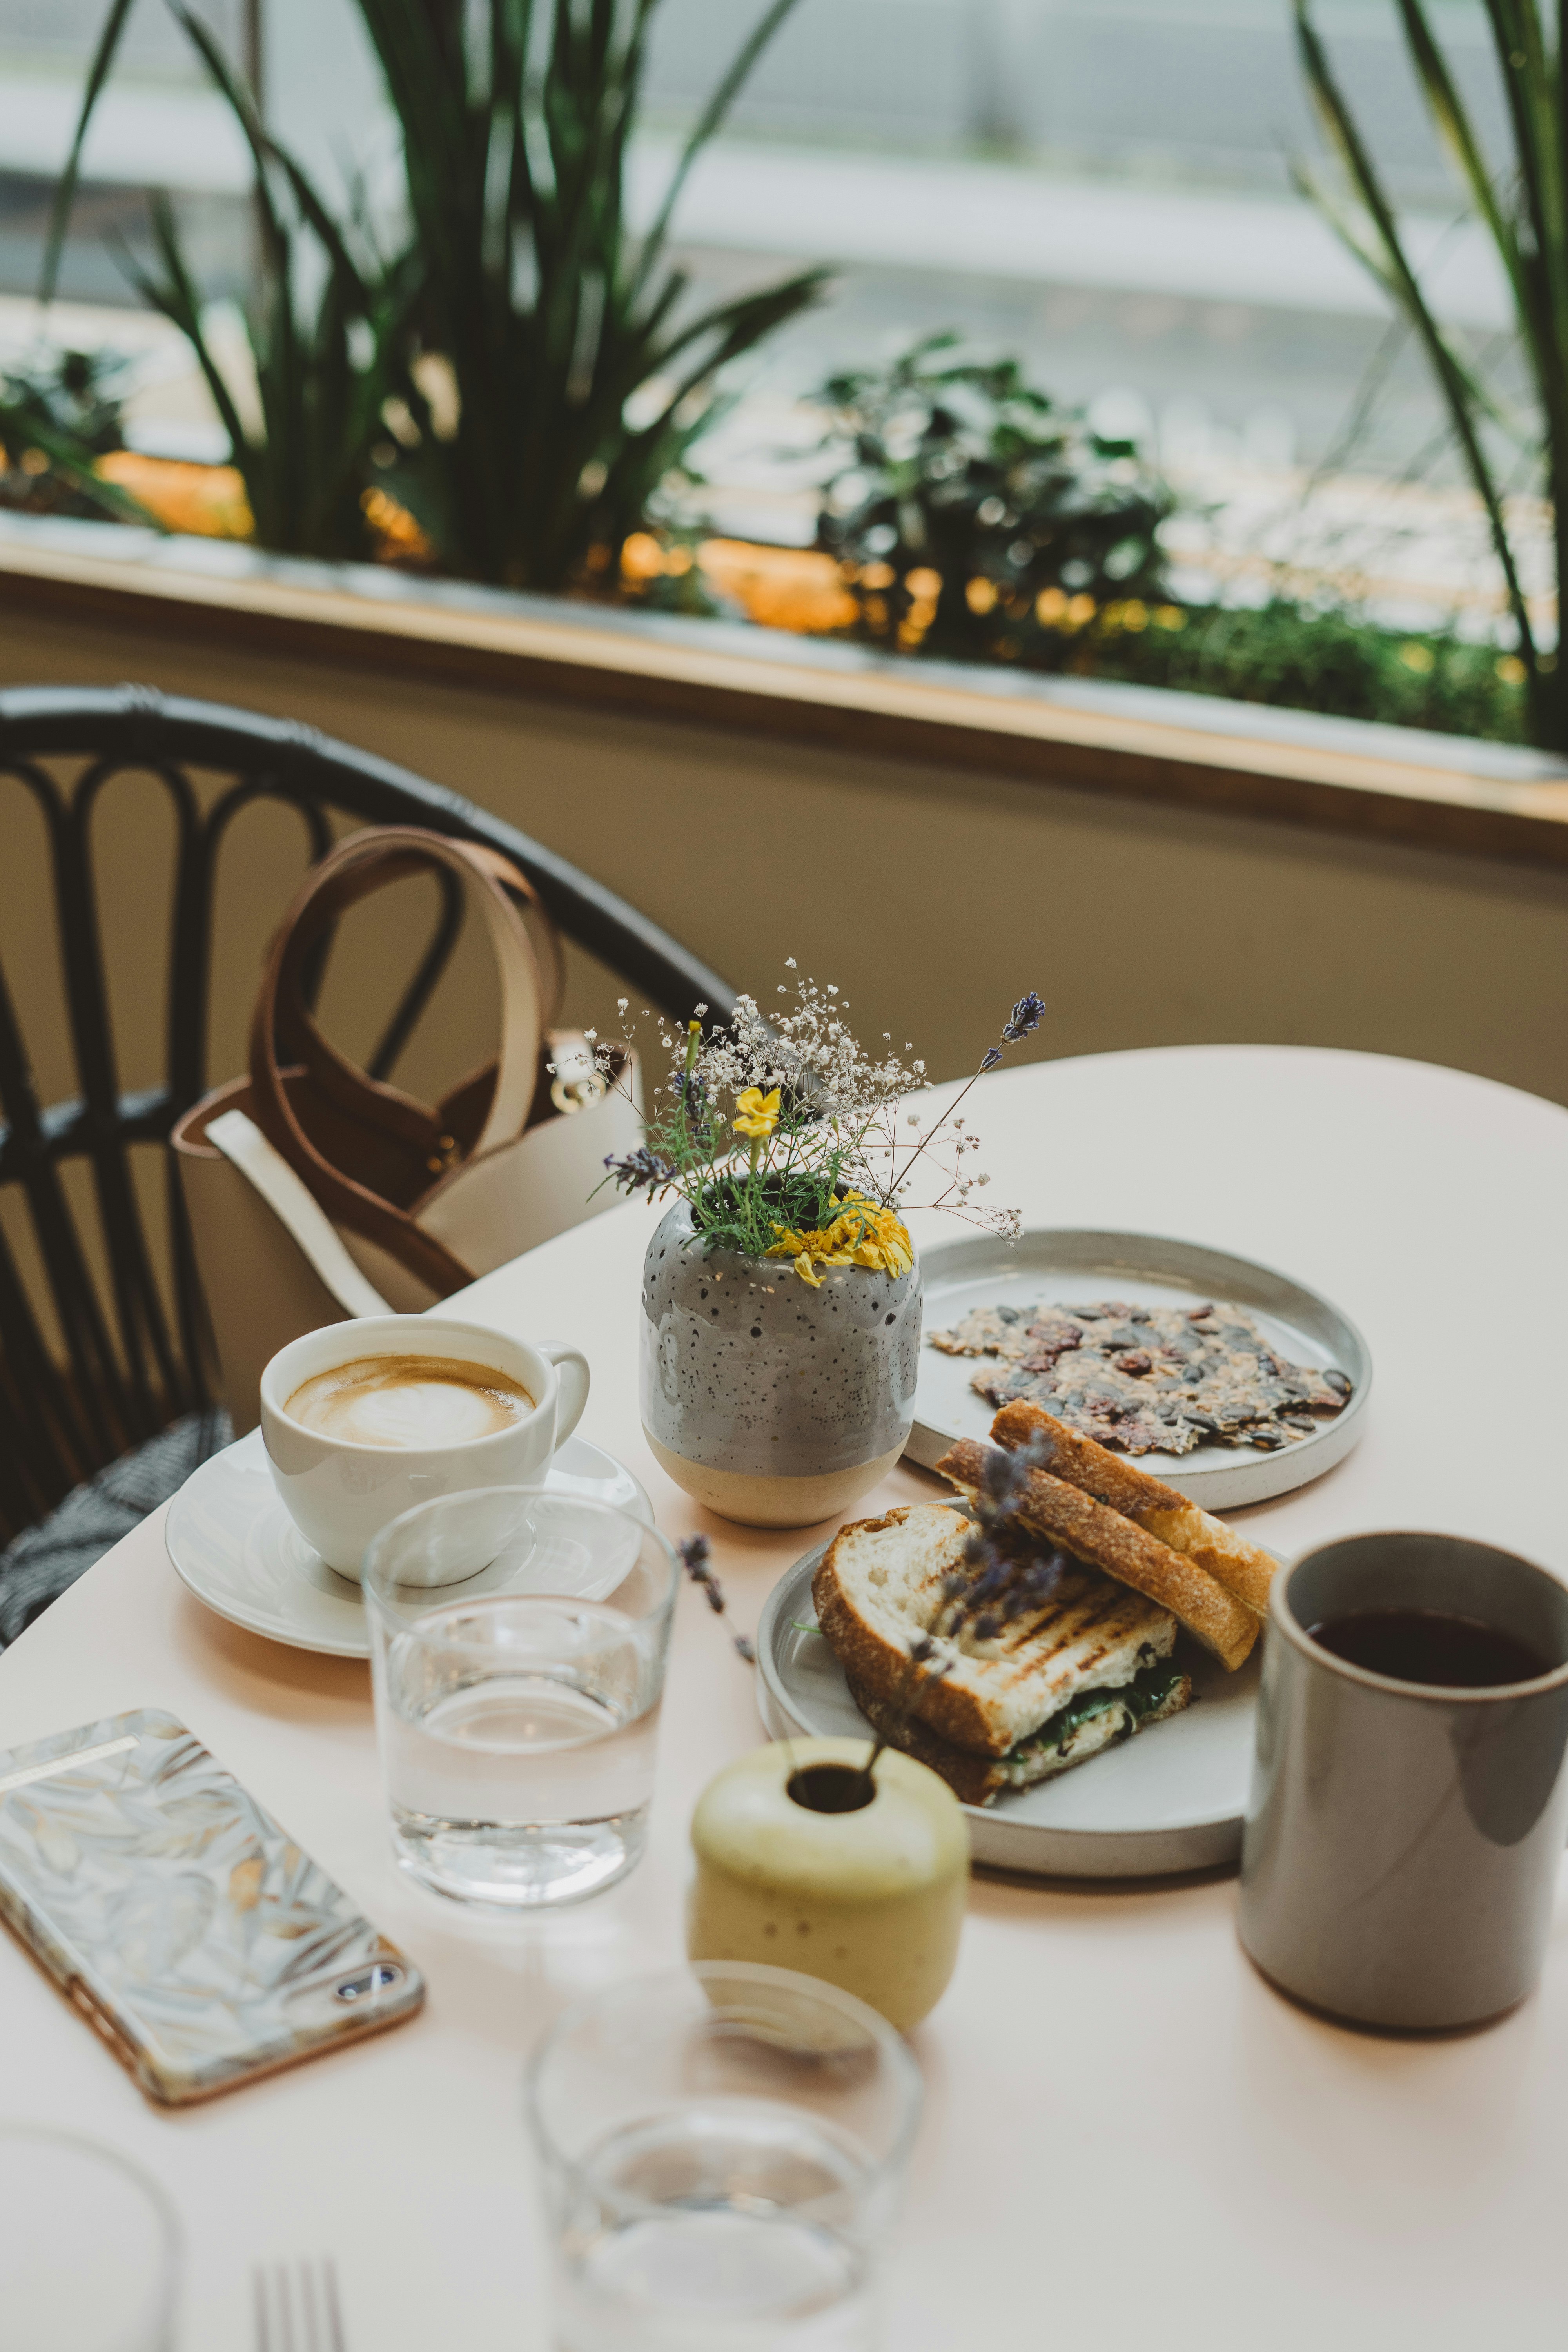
{"points": [[102, 1336]]}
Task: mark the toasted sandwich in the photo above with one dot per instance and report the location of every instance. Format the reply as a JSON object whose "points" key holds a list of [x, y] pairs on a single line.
{"points": [[1054, 1512], [1081, 1672], [1244, 1569]]}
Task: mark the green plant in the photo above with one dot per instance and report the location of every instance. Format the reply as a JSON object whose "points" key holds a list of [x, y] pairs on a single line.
{"points": [[1524, 210], [57, 417], [79, 394], [580, 381], [970, 513], [1299, 656], [324, 324], [536, 360]]}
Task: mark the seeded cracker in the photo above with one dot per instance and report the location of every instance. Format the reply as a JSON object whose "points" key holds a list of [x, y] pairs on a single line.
{"points": [[1146, 1378]]}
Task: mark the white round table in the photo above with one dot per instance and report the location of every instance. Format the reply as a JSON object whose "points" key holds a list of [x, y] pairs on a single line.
{"points": [[1128, 2134]]}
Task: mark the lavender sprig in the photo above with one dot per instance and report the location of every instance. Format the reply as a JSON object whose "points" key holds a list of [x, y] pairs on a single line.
{"points": [[694, 1553], [1027, 1014], [1022, 1022], [1002, 1580], [640, 1169]]}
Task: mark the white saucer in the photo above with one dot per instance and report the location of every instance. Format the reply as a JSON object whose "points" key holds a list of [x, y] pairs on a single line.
{"points": [[235, 1547]]}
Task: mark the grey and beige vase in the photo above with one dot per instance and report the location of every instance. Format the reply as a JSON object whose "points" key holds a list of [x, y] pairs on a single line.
{"points": [[773, 1402]]}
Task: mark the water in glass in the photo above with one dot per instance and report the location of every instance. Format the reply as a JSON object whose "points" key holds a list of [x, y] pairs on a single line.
{"points": [[518, 1743], [720, 2227]]}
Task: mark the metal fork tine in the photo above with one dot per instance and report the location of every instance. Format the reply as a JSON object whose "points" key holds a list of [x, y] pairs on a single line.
{"points": [[286, 2309], [335, 2342], [297, 2307]]}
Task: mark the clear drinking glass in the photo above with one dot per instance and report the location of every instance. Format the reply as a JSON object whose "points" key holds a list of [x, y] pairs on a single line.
{"points": [[722, 2152], [517, 1710], [89, 2248]]}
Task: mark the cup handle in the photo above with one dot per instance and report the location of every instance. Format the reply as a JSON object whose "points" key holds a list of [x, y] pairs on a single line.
{"points": [[573, 1366]]}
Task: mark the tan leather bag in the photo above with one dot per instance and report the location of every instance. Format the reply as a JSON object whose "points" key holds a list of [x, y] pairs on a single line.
{"points": [[316, 1192]]}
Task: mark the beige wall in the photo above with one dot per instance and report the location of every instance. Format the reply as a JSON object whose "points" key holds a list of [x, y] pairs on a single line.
{"points": [[931, 896]]}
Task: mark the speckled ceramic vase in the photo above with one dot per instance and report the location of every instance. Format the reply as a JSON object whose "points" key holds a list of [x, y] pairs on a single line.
{"points": [[773, 1403]]}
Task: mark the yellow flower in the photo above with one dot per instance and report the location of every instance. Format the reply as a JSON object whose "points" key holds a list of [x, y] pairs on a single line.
{"points": [[759, 1113], [861, 1234]]}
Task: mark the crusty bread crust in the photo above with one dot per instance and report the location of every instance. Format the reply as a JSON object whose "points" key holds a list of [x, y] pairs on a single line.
{"points": [[975, 1780], [866, 1655], [1229, 1559], [1109, 1478], [1241, 1566], [1066, 1515]]}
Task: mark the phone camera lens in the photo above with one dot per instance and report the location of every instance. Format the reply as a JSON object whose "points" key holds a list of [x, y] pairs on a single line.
{"points": [[368, 1981]]}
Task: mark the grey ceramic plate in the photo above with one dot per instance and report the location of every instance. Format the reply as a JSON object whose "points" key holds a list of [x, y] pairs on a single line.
{"points": [[1170, 1799], [234, 1544], [1070, 1265]]}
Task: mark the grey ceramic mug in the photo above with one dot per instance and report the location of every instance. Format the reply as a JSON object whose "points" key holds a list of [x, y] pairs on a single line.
{"points": [[1403, 1840]]}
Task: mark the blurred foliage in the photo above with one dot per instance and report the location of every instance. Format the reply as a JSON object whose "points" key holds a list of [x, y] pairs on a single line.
{"points": [[580, 372], [323, 322], [973, 519], [77, 392], [1524, 207], [968, 512], [1309, 657], [525, 376], [59, 414]]}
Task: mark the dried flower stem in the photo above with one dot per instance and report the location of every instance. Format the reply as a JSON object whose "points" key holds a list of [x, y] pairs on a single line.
{"points": [[694, 1553]]}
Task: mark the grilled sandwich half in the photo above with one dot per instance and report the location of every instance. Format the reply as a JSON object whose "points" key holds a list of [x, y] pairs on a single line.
{"points": [[1082, 1673]]}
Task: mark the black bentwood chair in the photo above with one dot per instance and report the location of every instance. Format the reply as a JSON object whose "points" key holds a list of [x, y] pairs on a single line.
{"points": [[100, 1352]]}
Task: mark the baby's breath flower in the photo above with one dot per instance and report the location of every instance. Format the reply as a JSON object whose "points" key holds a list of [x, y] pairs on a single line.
{"points": [[772, 1127]]}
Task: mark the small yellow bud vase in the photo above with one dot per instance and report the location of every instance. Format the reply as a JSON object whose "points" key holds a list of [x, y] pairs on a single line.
{"points": [[796, 1868]]}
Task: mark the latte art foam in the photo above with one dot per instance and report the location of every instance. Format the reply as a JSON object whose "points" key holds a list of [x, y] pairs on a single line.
{"points": [[409, 1401]]}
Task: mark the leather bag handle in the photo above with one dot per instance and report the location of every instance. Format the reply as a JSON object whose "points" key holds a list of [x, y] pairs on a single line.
{"points": [[376, 1148]]}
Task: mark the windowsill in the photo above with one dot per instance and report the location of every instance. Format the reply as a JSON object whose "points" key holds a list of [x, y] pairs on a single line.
{"points": [[1440, 791]]}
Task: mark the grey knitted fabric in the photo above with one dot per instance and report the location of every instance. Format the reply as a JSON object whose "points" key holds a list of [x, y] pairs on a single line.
{"points": [[43, 1560]]}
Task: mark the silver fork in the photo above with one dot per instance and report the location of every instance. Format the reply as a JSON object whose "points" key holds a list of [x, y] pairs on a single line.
{"points": [[297, 2307]]}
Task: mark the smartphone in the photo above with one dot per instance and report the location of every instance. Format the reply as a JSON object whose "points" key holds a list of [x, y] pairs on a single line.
{"points": [[171, 1910]]}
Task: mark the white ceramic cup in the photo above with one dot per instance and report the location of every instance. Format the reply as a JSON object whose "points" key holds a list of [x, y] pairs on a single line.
{"points": [[339, 1494]]}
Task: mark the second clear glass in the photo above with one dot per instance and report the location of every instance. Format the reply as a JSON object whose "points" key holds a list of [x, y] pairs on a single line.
{"points": [[723, 2151], [518, 1711], [89, 2248]]}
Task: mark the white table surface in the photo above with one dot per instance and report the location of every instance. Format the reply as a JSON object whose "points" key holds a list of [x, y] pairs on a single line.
{"points": [[1128, 2136]]}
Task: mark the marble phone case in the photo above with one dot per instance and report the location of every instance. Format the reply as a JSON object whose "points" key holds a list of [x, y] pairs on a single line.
{"points": [[178, 1916]]}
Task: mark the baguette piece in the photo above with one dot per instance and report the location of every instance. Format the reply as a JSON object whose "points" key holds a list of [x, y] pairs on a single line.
{"points": [[1065, 1516], [879, 1585], [976, 1779], [1243, 1567]]}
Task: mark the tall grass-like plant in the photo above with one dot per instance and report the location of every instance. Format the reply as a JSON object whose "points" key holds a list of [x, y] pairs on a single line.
{"points": [[1524, 208], [581, 376], [325, 322], [540, 361]]}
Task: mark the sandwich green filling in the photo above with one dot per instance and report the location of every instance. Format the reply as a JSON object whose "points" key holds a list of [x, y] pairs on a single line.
{"points": [[1144, 1696]]}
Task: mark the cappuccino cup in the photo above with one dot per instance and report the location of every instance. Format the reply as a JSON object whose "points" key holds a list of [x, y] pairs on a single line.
{"points": [[364, 1420]]}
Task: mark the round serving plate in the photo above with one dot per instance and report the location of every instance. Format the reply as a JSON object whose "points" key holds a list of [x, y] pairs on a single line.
{"points": [[1074, 1267], [1171, 1799], [235, 1545]]}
